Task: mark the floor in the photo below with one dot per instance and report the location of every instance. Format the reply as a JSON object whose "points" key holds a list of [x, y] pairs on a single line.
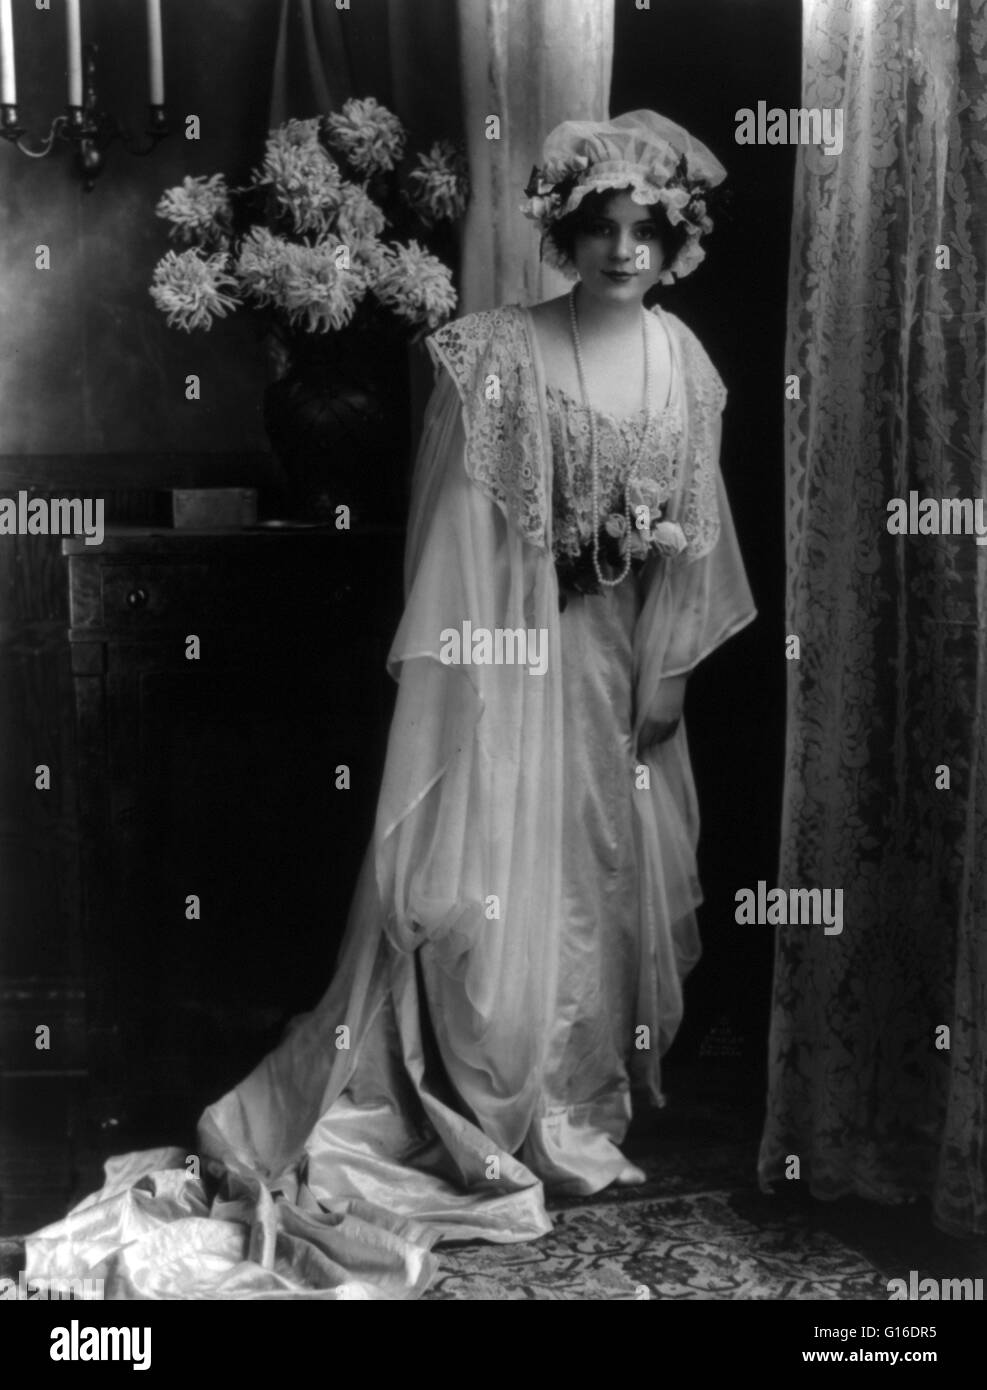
{"points": [[700, 1155]]}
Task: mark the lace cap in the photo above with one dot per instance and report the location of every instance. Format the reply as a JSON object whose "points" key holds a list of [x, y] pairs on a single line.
{"points": [[659, 161]]}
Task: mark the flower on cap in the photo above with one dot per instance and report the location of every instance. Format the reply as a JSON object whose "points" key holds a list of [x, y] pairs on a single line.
{"points": [[558, 169], [539, 207], [675, 201], [691, 255]]}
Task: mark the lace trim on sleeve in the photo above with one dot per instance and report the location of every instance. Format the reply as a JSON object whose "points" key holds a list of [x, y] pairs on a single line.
{"points": [[699, 515], [488, 357]]}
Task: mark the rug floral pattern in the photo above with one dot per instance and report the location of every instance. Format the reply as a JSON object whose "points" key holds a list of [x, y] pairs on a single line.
{"points": [[707, 1245]]}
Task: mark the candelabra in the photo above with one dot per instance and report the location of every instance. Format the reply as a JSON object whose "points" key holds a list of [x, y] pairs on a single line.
{"points": [[86, 127]]}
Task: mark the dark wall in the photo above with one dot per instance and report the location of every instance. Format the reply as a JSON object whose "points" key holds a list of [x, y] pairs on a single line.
{"points": [[698, 62], [92, 403], [87, 364]]}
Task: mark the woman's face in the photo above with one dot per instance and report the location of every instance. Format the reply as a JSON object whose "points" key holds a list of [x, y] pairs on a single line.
{"points": [[618, 252]]}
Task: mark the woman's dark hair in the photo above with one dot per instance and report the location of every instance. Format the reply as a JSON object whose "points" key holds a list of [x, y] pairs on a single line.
{"points": [[563, 233]]}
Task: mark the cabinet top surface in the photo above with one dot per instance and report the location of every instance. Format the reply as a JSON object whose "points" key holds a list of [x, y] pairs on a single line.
{"points": [[154, 540]]}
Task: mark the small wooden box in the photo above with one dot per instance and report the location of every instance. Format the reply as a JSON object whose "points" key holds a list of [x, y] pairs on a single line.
{"points": [[205, 507]]}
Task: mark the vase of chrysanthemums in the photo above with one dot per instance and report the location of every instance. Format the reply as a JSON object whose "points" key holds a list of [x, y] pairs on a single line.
{"points": [[340, 250]]}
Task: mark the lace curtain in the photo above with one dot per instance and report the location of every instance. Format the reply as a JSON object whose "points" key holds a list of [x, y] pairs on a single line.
{"points": [[888, 342], [444, 66]]}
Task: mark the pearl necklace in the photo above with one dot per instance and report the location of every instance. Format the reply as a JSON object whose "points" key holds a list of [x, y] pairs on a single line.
{"points": [[594, 448]]}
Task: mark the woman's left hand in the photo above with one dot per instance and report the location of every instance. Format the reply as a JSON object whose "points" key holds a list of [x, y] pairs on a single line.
{"points": [[664, 715]]}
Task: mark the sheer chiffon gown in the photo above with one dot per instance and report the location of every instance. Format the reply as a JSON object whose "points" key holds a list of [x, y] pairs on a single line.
{"points": [[525, 911]]}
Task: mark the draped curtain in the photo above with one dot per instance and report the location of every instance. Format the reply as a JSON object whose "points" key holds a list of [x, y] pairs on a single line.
{"points": [[404, 54], [444, 67], [534, 65], [886, 333]]}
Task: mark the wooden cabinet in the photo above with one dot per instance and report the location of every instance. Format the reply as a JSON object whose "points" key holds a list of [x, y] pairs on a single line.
{"points": [[220, 682]]}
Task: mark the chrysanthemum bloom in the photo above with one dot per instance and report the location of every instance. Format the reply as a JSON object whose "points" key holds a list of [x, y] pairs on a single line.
{"points": [[295, 133], [192, 289], [303, 176], [370, 255], [316, 293], [371, 137], [439, 187], [199, 210], [415, 284], [359, 218], [262, 265]]}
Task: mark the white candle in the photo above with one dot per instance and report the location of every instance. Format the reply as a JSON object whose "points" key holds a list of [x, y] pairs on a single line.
{"points": [[155, 52], [73, 30], [8, 76]]}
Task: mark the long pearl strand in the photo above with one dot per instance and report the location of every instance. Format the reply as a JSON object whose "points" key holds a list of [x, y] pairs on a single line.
{"points": [[594, 448]]}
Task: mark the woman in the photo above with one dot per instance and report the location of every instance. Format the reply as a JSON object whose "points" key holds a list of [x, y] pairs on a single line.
{"points": [[525, 912]]}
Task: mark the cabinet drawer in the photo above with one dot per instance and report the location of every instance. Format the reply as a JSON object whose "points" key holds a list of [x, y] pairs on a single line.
{"points": [[152, 595], [130, 600]]}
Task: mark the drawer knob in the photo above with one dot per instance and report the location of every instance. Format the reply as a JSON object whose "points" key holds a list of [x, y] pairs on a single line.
{"points": [[137, 598]]}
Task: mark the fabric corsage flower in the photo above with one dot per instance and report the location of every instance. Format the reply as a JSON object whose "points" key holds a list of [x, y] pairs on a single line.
{"points": [[645, 492], [638, 545], [668, 538]]}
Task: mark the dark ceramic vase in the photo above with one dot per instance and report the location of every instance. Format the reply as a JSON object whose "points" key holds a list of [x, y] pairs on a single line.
{"points": [[338, 424]]}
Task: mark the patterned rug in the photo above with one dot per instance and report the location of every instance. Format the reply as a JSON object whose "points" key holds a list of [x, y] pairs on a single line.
{"points": [[704, 1245]]}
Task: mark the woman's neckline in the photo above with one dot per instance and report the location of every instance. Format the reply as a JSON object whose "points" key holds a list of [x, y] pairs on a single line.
{"points": [[655, 312], [666, 409]]}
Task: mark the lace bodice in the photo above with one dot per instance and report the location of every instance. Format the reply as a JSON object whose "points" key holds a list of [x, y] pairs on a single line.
{"points": [[488, 356], [619, 441]]}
